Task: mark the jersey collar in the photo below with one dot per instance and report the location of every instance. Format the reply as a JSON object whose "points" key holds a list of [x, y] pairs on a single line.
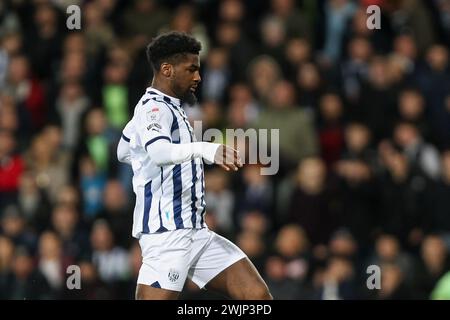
{"points": [[174, 101]]}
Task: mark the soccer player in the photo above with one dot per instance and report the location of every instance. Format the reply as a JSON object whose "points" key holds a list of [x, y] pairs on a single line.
{"points": [[169, 184]]}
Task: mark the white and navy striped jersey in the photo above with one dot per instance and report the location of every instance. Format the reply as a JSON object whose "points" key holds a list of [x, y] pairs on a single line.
{"points": [[167, 197]]}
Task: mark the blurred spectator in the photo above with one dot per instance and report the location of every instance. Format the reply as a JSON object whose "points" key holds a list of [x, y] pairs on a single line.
{"points": [[92, 182], [26, 89], [358, 140], [110, 260], [65, 222], [98, 32], [295, 22], [92, 288], [254, 247], [337, 281], [9, 20], [298, 51], [126, 289], [100, 141], [34, 203], [292, 245], [406, 53], [14, 226], [10, 43], [343, 244], [414, 16], [411, 107], [115, 94], [240, 49], [403, 197], [442, 289], [139, 26], [71, 106], [330, 127], [51, 261], [73, 68], [47, 163], [116, 212], [311, 203], [443, 9], [438, 204], [356, 183], [280, 286], [379, 39], [388, 250], [376, 106], [15, 119], [211, 115], [43, 39], [421, 155], [11, 168], [434, 263], [257, 192], [434, 81], [220, 199], [354, 70], [6, 258], [184, 19], [68, 195], [297, 136], [273, 36], [216, 75], [25, 282], [393, 286], [263, 73], [243, 109], [310, 85], [337, 15]]}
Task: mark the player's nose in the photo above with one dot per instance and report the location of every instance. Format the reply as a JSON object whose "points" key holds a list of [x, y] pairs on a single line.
{"points": [[197, 77]]}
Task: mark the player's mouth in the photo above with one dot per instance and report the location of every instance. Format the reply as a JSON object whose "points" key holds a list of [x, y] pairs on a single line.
{"points": [[193, 88]]}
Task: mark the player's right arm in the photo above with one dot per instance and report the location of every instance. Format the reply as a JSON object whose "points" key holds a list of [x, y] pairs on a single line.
{"points": [[154, 127], [123, 148]]}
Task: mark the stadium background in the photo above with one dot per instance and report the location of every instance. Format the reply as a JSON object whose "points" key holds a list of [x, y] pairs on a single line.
{"points": [[364, 119]]}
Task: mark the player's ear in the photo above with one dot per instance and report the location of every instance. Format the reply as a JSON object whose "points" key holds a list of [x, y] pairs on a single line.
{"points": [[166, 69]]}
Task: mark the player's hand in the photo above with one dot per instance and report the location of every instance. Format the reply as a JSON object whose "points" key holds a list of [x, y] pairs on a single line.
{"points": [[228, 158]]}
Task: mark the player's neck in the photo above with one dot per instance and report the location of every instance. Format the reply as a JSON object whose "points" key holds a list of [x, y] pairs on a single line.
{"points": [[163, 87]]}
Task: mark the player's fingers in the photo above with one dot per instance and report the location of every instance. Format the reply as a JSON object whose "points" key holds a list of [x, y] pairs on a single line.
{"points": [[238, 159], [229, 157], [224, 166], [232, 161]]}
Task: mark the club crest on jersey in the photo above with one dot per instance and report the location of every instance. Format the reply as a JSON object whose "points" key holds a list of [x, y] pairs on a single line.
{"points": [[173, 275], [153, 115]]}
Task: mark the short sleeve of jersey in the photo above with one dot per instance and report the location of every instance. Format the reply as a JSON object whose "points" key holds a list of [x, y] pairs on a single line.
{"points": [[128, 131], [153, 122]]}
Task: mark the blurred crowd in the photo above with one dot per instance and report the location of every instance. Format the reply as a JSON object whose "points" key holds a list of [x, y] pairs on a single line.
{"points": [[364, 119]]}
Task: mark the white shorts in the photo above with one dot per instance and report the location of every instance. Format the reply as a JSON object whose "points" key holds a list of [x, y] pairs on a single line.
{"points": [[168, 258]]}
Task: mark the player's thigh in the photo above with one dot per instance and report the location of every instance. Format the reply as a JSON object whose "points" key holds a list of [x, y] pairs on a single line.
{"points": [[240, 281], [165, 264], [224, 268], [145, 292]]}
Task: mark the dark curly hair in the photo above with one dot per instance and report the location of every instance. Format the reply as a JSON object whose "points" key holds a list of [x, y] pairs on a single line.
{"points": [[169, 47]]}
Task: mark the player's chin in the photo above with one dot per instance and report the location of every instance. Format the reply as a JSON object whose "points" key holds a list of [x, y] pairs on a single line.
{"points": [[190, 98]]}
